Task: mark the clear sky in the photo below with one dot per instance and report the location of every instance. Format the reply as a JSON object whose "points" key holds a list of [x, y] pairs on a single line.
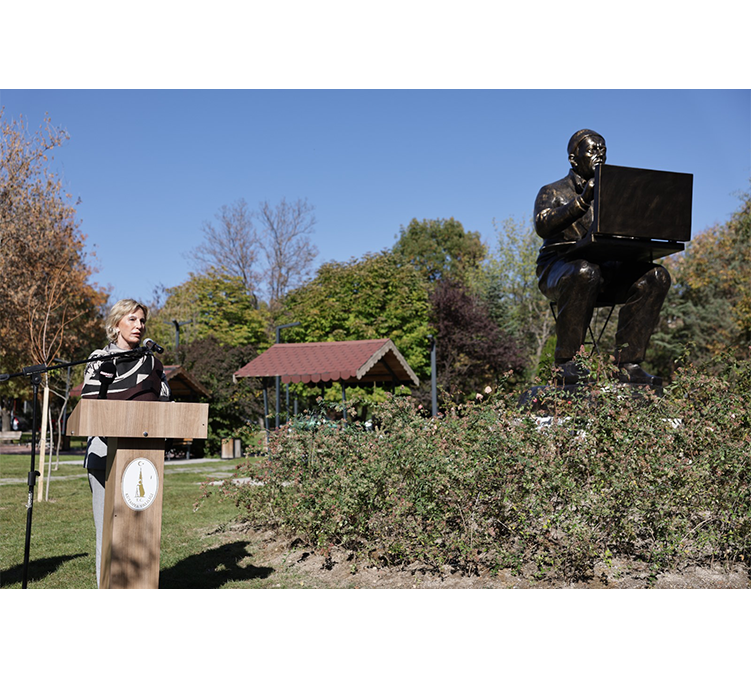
{"points": [[151, 166]]}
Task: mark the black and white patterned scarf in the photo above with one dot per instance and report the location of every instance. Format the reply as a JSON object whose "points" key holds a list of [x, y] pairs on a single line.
{"points": [[135, 378]]}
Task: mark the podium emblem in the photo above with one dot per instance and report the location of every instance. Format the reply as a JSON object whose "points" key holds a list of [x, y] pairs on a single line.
{"points": [[140, 484]]}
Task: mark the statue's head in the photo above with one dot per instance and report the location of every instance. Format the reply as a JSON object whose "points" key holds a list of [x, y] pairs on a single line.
{"points": [[586, 150]]}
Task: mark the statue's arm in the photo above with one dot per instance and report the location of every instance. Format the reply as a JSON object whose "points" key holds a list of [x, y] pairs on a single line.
{"points": [[553, 214]]}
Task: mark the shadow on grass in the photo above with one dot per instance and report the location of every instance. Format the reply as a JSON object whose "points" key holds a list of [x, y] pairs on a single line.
{"points": [[211, 569], [38, 569]]}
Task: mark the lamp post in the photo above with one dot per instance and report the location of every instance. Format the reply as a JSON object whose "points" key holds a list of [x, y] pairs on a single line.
{"points": [[278, 395], [177, 324]]}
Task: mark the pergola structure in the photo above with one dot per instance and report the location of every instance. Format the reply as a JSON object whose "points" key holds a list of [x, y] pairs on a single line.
{"points": [[353, 363]]}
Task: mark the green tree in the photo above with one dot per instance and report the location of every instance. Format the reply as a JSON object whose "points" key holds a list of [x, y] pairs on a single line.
{"points": [[508, 284], [440, 248], [232, 404], [215, 303], [370, 298]]}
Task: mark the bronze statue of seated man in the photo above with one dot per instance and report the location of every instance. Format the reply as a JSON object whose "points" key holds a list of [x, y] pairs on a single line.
{"points": [[563, 215]]}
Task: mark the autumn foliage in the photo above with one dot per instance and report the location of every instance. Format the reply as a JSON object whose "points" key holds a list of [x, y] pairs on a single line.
{"points": [[48, 307], [708, 309]]}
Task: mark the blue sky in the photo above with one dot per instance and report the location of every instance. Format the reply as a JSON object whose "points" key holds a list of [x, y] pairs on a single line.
{"points": [[151, 166]]}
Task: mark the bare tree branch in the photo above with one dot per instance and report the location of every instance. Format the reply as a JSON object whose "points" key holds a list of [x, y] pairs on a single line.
{"points": [[232, 245], [287, 228], [276, 255]]}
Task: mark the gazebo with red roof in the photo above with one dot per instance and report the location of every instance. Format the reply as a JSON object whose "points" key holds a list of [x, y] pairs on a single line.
{"points": [[352, 363]]}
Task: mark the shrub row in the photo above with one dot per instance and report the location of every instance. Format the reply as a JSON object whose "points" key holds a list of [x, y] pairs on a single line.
{"points": [[577, 480]]}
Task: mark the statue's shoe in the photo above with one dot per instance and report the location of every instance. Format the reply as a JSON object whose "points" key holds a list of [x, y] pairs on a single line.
{"points": [[633, 373], [571, 372]]}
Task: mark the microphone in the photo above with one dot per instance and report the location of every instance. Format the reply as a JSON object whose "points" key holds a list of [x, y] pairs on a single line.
{"points": [[106, 377], [151, 345]]}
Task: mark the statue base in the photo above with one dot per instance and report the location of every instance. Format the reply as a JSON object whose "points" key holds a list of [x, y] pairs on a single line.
{"points": [[540, 398]]}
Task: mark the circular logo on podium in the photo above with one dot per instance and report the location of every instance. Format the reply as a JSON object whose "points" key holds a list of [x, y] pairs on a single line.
{"points": [[139, 484]]}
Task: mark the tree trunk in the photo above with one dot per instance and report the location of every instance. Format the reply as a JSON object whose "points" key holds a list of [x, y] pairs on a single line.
{"points": [[43, 436]]}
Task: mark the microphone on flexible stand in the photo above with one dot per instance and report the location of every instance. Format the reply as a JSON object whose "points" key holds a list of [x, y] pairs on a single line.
{"points": [[151, 345], [107, 375]]}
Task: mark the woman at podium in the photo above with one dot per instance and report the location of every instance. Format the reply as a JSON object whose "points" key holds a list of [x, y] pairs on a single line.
{"points": [[118, 374]]}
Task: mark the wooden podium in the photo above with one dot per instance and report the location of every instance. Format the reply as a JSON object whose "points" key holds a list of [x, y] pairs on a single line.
{"points": [[136, 433]]}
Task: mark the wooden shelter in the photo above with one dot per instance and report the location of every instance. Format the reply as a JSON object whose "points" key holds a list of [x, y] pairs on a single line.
{"points": [[184, 386], [350, 362], [354, 363]]}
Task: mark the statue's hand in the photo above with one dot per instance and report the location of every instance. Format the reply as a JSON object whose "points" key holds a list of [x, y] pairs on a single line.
{"points": [[588, 193]]}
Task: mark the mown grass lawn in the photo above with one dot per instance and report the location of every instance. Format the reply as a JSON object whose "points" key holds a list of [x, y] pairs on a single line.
{"points": [[197, 550]]}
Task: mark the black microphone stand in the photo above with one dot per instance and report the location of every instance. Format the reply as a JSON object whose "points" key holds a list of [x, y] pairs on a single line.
{"points": [[35, 373]]}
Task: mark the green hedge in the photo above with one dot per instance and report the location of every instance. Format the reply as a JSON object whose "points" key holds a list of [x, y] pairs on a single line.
{"points": [[487, 485]]}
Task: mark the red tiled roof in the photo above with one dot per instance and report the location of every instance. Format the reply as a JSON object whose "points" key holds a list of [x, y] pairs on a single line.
{"points": [[352, 362]]}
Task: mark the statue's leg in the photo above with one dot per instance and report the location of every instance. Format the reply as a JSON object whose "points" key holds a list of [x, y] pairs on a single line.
{"points": [[639, 316], [574, 286]]}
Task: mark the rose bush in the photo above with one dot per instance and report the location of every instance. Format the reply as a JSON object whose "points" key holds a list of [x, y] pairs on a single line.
{"points": [[560, 485]]}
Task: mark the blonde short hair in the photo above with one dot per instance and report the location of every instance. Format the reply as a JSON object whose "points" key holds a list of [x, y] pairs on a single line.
{"points": [[118, 311]]}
